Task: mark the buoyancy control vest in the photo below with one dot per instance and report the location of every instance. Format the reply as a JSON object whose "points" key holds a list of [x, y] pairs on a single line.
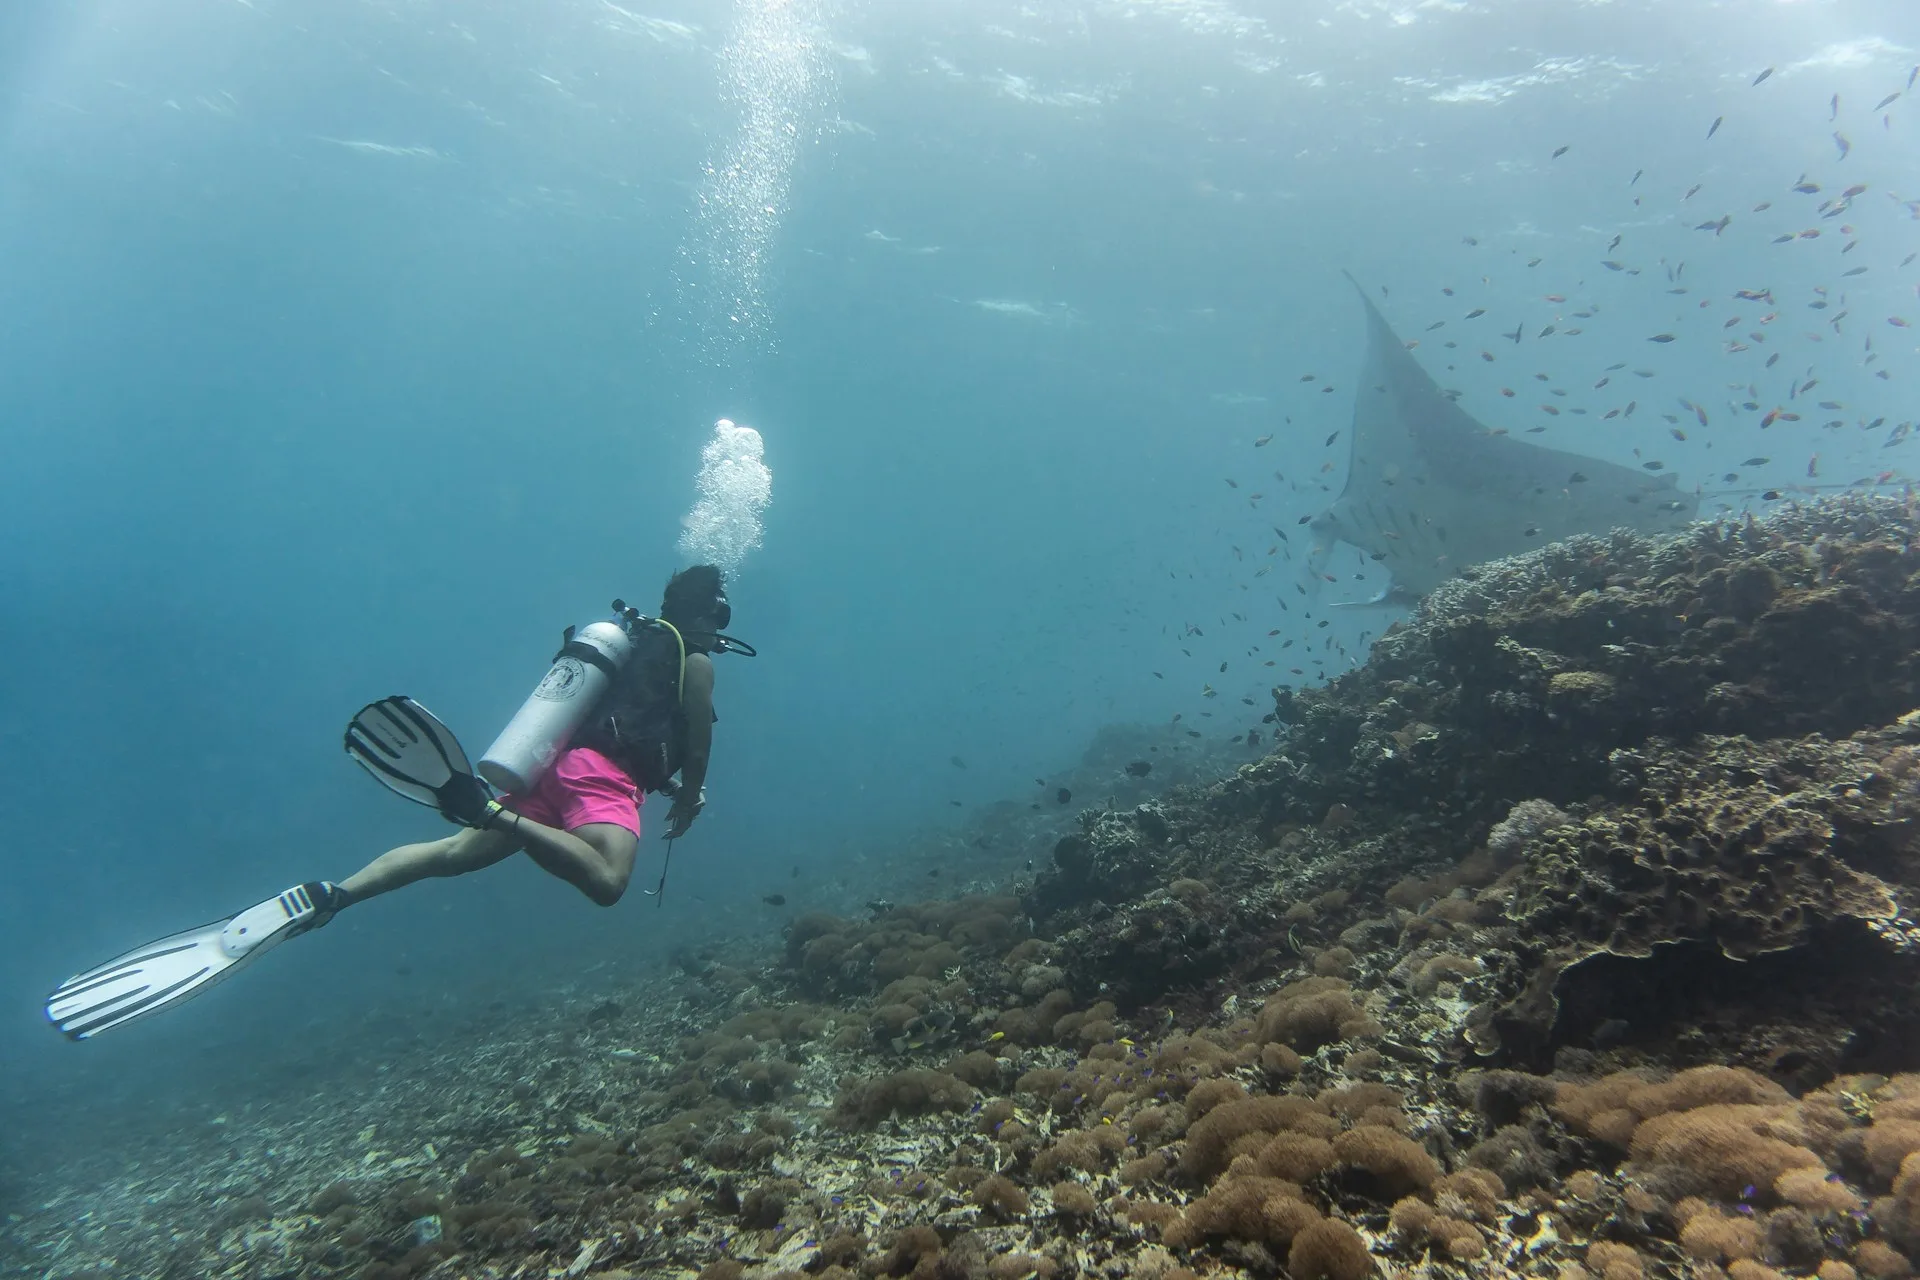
{"points": [[640, 723]]}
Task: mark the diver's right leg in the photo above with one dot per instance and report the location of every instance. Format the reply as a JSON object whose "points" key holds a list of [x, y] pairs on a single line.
{"points": [[454, 855]]}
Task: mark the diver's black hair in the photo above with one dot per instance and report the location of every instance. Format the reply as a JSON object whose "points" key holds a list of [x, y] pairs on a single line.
{"points": [[691, 592]]}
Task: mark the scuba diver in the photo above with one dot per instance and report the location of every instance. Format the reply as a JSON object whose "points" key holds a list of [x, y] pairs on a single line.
{"points": [[626, 705]]}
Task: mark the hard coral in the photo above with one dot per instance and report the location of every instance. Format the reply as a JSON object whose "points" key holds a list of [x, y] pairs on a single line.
{"points": [[1523, 823]]}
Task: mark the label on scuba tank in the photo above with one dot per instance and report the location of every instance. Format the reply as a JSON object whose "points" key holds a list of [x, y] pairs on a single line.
{"points": [[564, 679]]}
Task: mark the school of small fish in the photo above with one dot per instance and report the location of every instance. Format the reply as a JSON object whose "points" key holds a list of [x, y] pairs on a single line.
{"points": [[1772, 335]]}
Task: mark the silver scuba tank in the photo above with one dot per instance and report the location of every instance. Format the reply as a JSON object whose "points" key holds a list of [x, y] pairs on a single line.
{"points": [[558, 706]]}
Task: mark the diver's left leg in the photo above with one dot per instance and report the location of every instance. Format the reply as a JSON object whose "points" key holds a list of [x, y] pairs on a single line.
{"points": [[454, 855]]}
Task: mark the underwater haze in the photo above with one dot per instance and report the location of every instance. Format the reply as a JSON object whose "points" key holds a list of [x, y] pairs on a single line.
{"points": [[353, 349]]}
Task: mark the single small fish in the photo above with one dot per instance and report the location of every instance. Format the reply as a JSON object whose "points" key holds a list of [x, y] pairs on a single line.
{"points": [[1063, 795], [1833, 108], [1854, 190], [1476, 313], [1715, 126], [1805, 187], [1577, 478], [1559, 151], [775, 899], [1262, 441], [1615, 242], [1840, 141], [1854, 271], [1761, 78], [1139, 768], [1331, 439], [956, 762], [1636, 176], [1611, 265], [1757, 461], [1661, 337], [1886, 101]]}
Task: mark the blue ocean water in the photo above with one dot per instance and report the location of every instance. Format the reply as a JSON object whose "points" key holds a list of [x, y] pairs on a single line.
{"points": [[357, 349]]}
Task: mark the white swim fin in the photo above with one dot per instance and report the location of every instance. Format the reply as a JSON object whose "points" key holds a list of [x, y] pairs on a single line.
{"points": [[175, 968]]}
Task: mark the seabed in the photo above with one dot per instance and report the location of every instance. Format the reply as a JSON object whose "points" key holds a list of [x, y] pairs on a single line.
{"points": [[1571, 936]]}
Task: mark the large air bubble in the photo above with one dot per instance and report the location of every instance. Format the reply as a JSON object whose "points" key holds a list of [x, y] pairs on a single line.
{"points": [[735, 488]]}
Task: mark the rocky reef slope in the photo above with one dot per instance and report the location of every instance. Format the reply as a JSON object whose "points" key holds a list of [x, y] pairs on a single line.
{"points": [[1566, 937]]}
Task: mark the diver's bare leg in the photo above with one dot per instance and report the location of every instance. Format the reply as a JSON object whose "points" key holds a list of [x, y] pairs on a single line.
{"points": [[454, 855], [596, 857]]}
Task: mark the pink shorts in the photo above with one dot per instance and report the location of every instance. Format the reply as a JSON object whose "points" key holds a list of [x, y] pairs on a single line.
{"points": [[583, 786]]}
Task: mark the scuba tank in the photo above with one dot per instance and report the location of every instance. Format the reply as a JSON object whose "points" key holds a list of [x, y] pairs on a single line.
{"points": [[560, 703]]}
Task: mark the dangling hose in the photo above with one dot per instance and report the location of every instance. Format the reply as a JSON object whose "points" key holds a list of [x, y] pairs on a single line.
{"points": [[659, 892]]}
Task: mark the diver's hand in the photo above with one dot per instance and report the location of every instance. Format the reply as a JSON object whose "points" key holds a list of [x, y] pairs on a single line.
{"points": [[684, 811], [465, 799]]}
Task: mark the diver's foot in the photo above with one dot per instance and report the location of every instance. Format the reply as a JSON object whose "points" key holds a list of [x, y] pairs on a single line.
{"points": [[300, 909], [327, 897]]}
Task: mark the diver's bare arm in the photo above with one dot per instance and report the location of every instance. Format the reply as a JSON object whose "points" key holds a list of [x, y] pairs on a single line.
{"points": [[698, 703]]}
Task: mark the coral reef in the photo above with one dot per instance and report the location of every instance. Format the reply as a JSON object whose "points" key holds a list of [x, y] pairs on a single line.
{"points": [[1566, 937]]}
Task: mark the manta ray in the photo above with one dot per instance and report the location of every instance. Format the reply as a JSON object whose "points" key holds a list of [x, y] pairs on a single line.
{"points": [[1430, 491]]}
